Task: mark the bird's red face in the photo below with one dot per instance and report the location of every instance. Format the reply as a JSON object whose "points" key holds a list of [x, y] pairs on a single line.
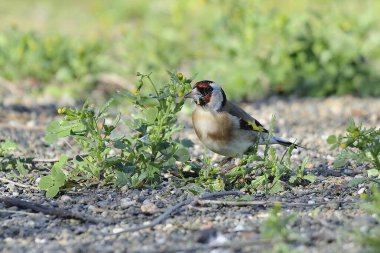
{"points": [[201, 92]]}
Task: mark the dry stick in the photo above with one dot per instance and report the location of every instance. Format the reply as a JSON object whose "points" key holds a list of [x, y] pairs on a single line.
{"points": [[256, 203], [174, 208], [16, 212], [229, 245], [54, 160], [5, 180], [59, 212]]}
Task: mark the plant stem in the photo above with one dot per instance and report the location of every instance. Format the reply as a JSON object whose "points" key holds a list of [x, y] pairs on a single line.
{"points": [[376, 160]]}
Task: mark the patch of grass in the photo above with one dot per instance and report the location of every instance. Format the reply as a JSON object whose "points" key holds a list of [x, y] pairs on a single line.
{"points": [[8, 162], [49, 59], [277, 227], [369, 239], [361, 146], [315, 53], [252, 48]]}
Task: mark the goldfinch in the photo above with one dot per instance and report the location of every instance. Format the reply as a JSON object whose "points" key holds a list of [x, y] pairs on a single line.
{"points": [[222, 126]]}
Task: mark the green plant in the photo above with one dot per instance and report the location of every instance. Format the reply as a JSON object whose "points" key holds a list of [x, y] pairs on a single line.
{"points": [[8, 161], [360, 145], [55, 180], [277, 228], [151, 148], [299, 174], [370, 239], [48, 58], [286, 48], [318, 53], [141, 155], [91, 134]]}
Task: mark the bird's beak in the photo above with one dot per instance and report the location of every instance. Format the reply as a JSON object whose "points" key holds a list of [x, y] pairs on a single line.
{"points": [[194, 93]]}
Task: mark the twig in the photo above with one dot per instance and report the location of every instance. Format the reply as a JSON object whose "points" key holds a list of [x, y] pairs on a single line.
{"points": [[17, 212], [174, 208], [229, 245], [256, 203], [5, 180], [59, 212], [54, 160]]}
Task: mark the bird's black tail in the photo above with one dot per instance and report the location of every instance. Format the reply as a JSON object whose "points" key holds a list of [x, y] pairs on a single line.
{"points": [[285, 142]]}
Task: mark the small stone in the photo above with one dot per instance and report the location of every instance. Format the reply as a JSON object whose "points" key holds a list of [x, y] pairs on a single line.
{"points": [[30, 224], [124, 189], [149, 208], [91, 207], [239, 227], [40, 240], [160, 204], [361, 191], [117, 230], [311, 202], [127, 202], [65, 198]]}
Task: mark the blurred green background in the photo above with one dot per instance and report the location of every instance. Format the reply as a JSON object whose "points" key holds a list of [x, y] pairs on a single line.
{"points": [[253, 48]]}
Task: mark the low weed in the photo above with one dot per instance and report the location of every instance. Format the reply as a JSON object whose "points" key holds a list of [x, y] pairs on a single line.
{"points": [[139, 157], [277, 227], [369, 239], [8, 162], [361, 146]]}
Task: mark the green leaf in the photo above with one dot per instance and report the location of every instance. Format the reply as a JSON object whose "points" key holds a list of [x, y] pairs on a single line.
{"points": [[276, 187], [373, 173], [151, 114], [120, 145], [55, 131], [309, 177], [356, 181], [258, 181], [46, 182], [21, 168], [182, 155], [292, 179], [169, 162], [187, 143], [52, 191], [105, 107], [7, 146], [339, 162], [56, 172], [331, 139], [122, 178]]}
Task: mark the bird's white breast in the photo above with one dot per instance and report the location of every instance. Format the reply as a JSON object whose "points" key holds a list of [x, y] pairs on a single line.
{"points": [[220, 132]]}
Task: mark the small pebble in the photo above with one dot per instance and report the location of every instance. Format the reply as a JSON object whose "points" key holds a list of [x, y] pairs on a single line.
{"points": [[149, 208], [127, 202], [361, 191]]}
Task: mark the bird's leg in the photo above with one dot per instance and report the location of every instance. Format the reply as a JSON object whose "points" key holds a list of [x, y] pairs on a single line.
{"points": [[224, 161], [225, 167]]}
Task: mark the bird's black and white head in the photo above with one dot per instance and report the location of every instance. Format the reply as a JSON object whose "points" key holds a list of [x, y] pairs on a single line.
{"points": [[208, 94]]}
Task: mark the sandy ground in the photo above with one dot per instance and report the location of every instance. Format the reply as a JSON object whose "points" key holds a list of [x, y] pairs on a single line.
{"points": [[196, 227]]}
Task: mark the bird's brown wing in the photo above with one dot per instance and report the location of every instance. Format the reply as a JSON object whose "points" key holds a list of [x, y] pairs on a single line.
{"points": [[247, 122]]}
